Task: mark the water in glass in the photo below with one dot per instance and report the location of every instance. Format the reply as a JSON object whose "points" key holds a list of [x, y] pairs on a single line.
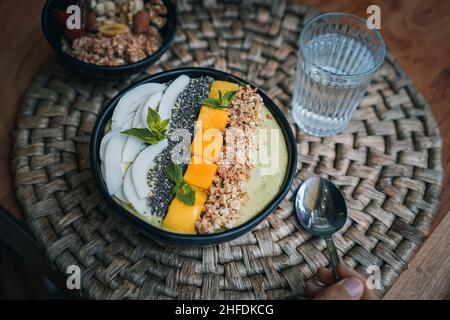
{"points": [[335, 66]]}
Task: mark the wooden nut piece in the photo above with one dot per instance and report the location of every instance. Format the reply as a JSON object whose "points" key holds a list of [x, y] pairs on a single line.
{"points": [[141, 21]]}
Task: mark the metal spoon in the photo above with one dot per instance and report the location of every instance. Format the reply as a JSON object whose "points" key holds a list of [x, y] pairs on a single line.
{"points": [[320, 208]]}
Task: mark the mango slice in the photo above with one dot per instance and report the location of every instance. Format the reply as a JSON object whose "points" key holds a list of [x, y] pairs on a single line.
{"points": [[207, 145], [200, 172], [181, 218], [223, 86], [205, 150], [209, 118], [213, 118]]}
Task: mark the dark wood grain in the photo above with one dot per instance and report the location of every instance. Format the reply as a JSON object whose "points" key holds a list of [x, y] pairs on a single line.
{"points": [[23, 50], [416, 32]]}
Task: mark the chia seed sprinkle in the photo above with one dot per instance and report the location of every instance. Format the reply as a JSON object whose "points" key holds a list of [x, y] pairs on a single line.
{"points": [[184, 115]]}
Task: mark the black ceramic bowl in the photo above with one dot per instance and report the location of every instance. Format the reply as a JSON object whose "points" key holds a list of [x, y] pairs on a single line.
{"points": [[167, 237], [53, 32]]}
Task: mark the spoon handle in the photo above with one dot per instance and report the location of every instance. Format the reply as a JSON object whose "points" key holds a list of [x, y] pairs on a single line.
{"points": [[334, 257]]}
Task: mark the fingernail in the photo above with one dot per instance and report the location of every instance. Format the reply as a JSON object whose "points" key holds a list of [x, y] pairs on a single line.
{"points": [[353, 286]]}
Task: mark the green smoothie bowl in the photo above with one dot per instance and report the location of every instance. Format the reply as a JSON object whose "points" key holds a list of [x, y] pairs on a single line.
{"points": [[193, 156]]}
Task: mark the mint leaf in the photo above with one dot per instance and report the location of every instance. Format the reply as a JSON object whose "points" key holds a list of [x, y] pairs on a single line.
{"points": [[186, 194], [211, 102], [143, 134], [222, 102], [165, 124], [152, 117], [155, 132], [137, 132], [155, 124], [228, 97], [175, 175], [152, 126], [183, 191]]}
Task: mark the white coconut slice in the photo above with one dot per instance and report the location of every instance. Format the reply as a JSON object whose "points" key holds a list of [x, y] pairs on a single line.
{"points": [[140, 205], [171, 95], [105, 141], [115, 125], [120, 195], [134, 146], [128, 123], [107, 137], [102, 167], [143, 163], [137, 123], [131, 100], [128, 188], [113, 172]]}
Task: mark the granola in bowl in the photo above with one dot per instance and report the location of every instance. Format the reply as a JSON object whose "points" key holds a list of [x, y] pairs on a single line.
{"points": [[115, 32], [114, 51]]}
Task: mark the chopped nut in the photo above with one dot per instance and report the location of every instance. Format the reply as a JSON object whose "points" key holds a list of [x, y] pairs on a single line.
{"points": [[92, 22], [141, 22]]}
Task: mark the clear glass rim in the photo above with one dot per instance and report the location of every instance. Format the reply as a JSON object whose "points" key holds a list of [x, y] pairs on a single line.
{"points": [[379, 61]]}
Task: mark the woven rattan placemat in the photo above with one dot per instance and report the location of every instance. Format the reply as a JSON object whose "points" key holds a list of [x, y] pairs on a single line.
{"points": [[387, 163]]}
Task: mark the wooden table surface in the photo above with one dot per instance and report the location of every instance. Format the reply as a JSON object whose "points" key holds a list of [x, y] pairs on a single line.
{"points": [[417, 32]]}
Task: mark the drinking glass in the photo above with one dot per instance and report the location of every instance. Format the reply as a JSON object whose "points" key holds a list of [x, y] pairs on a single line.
{"points": [[338, 55]]}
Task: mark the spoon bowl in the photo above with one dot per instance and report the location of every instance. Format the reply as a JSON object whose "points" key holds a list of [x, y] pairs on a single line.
{"points": [[321, 210]]}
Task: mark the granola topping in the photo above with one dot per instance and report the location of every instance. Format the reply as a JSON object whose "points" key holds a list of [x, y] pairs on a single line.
{"points": [[228, 195]]}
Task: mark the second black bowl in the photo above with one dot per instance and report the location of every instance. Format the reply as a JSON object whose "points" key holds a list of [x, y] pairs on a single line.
{"points": [[54, 33]]}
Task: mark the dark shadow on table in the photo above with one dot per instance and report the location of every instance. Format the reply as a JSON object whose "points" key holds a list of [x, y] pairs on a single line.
{"points": [[24, 269]]}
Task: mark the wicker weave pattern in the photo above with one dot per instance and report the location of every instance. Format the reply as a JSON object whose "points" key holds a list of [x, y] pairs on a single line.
{"points": [[387, 163]]}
